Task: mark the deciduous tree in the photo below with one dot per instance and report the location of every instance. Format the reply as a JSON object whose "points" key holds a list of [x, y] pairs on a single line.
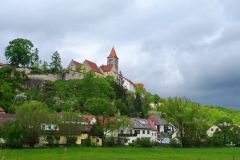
{"points": [[30, 116], [182, 114], [20, 52]]}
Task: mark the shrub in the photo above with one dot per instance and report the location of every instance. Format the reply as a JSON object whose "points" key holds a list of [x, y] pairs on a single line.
{"points": [[174, 143], [86, 142], [143, 142], [71, 141], [110, 142]]}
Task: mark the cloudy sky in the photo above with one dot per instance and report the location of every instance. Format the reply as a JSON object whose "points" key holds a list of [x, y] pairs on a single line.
{"points": [[175, 48]]}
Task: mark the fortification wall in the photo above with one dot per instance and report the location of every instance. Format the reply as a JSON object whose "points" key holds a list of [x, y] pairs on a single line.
{"points": [[73, 75], [26, 70], [51, 77]]}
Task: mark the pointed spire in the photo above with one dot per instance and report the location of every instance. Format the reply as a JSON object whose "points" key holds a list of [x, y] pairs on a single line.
{"points": [[112, 53]]}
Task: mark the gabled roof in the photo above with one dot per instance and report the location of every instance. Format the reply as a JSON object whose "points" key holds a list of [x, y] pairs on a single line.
{"points": [[106, 120], [93, 66], [77, 63], [89, 118], [1, 64], [129, 80], [106, 68], [139, 123], [5, 117], [152, 125], [112, 54], [157, 119]]}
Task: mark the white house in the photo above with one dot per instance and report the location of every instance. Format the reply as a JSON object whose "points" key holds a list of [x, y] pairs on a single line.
{"points": [[212, 129], [139, 128]]}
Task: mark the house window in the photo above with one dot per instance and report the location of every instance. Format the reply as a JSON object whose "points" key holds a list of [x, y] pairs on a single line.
{"points": [[143, 132], [97, 140], [212, 129], [137, 131], [148, 132]]}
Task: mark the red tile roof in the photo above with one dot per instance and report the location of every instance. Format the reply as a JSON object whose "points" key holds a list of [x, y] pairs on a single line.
{"points": [[77, 63], [106, 68], [93, 66], [129, 80], [153, 119], [112, 54], [88, 117], [100, 119], [1, 109], [139, 85], [152, 125]]}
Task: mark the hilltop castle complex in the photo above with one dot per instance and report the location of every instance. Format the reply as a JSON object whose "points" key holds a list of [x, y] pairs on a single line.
{"points": [[77, 70]]}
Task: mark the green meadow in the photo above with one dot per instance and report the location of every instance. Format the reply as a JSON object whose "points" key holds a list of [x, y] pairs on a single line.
{"points": [[81, 153]]}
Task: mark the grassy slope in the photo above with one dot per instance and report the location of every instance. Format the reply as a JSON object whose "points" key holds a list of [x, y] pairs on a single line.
{"points": [[122, 153]]}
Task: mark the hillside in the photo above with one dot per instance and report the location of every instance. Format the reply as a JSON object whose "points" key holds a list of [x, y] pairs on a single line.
{"points": [[71, 95]]}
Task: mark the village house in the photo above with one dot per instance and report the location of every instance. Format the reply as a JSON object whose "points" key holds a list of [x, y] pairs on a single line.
{"points": [[139, 128]]}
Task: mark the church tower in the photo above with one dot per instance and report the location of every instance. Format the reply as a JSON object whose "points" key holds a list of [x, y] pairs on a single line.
{"points": [[113, 59]]}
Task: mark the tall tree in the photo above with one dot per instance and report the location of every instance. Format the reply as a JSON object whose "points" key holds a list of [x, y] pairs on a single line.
{"points": [[20, 52], [30, 116], [225, 125], [182, 114], [55, 65], [156, 99]]}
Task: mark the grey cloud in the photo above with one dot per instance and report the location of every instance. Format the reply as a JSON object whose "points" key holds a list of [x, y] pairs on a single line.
{"points": [[186, 48]]}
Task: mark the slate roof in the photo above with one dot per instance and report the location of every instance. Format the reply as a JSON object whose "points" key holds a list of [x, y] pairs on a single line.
{"points": [[5, 117], [135, 123], [77, 63], [106, 68], [112, 54], [93, 66]]}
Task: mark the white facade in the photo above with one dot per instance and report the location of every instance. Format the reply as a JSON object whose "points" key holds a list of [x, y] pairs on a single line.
{"points": [[212, 129], [129, 85]]}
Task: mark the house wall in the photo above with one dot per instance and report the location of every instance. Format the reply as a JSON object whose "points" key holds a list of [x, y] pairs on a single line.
{"points": [[96, 140], [88, 68], [72, 66], [80, 137], [152, 135], [211, 130], [129, 86]]}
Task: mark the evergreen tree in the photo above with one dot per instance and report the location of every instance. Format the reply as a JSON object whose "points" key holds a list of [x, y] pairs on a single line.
{"points": [[55, 65]]}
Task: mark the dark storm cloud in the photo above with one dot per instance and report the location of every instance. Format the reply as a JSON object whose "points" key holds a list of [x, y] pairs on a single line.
{"points": [[186, 48]]}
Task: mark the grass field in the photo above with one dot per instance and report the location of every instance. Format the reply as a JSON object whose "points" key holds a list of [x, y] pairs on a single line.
{"points": [[81, 153]]}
